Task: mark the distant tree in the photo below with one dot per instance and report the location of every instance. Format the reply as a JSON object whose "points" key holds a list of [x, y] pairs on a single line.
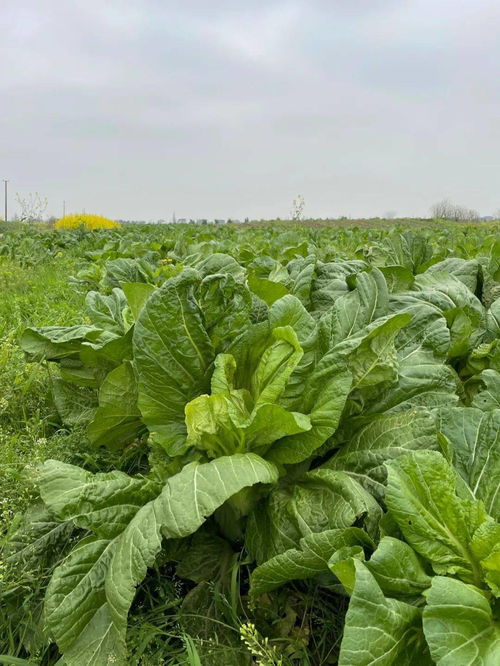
{"points": [[390, 215], [297, 211], [32, 207], [441, 210], [446, 210]]}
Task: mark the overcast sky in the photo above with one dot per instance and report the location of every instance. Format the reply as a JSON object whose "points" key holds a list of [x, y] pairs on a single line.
{"points": [[229, 108]]}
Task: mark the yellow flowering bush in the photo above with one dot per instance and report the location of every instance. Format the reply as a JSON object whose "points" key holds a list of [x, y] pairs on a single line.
{"points": [[89, 222]]}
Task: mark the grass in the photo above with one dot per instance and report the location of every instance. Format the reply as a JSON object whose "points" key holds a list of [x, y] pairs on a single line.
{"points": [[29, 432], [35, 296]]}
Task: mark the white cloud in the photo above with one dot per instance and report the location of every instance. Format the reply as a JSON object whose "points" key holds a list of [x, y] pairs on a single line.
{"points": [[265, 35]]}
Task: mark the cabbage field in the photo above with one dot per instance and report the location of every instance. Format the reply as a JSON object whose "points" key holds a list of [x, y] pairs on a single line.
{"points": [[251, 444]]}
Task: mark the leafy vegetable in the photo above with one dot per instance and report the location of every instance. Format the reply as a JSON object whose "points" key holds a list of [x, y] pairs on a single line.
{"points": [[90, 593], [280, 424]]}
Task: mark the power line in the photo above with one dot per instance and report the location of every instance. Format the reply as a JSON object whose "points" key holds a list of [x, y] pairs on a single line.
{"points": [[5, 197]]}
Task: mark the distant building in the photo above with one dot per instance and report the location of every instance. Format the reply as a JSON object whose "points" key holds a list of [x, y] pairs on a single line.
{"points": [[217, 221], [182, 220]]}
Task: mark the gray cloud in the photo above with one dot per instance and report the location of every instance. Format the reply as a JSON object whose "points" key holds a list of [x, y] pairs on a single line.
{"points": [[135, 108]]}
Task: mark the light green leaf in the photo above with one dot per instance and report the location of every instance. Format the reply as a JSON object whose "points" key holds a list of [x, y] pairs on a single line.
{"points": [[398, 278], [226, 306], [358, 308], [397, 569], [385, 437], [267, 290], [485, 547], [183, 505], [318, 501], [463, 270], [379, 630], [137, 294], [226, 423], [210, 421], [493, 318], [342, 564], [436, 522], [222, 381], [75, 404], [427, 330], [475, 440], [459, 626], [91, 591], [117, 421], [76, 611], [172, 354], [270, 423], [104, 503], [289, 311], [307, 561], [56, 342], [370, 353], [489, 396], [323, 399], [106, 312], [422, 382], [276, 365]]}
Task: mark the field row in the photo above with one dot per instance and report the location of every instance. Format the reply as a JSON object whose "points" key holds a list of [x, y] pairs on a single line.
{"points": [[251, 445]]}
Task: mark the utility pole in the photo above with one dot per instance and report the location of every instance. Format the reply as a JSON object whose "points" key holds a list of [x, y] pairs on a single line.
{"points": [[5, 195], [64, 209]]}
